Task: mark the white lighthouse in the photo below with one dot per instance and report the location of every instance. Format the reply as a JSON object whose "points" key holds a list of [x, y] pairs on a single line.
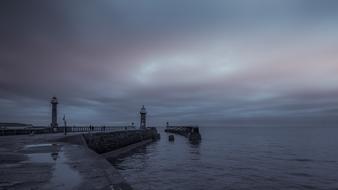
{"points": [[54, 103], [143, 114]]}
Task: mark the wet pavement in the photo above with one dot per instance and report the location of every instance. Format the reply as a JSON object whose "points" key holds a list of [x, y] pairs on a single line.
{"points": [[63, 175], [46, 162]]}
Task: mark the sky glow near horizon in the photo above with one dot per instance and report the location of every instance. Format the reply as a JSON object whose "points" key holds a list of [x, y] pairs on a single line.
{"points": [[212, 63]]}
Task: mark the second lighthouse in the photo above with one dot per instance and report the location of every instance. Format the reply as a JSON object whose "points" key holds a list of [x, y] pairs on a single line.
{"points": [[143, 114]]}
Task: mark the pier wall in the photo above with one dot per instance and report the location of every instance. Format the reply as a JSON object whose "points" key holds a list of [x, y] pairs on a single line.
{"points": [[106, 146], [107, 142], [192, 133], [5, 131]]}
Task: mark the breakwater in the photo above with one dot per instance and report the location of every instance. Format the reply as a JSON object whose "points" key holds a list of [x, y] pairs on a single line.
{"points": [[192, 133], [110, 145], [80, 153], [106, 142], [114, 144]]}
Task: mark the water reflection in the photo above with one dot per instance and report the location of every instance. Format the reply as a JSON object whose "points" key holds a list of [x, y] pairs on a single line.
{"points": [[63, 176], [141, 153], [195, 142], [54, 155], [195, 150], [239, 158]]}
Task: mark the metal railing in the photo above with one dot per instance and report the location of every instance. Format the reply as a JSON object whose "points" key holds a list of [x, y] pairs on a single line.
{"points": [[43, 130]]}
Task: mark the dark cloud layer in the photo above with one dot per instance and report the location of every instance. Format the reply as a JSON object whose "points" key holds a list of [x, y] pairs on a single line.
{"points": [[213, 63]]}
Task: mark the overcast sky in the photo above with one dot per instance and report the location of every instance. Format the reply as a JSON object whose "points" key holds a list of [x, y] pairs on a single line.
{"points": [[211, 62]]}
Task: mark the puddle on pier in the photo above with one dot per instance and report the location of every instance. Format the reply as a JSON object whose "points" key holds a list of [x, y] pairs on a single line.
{"points": [[63, 176]]}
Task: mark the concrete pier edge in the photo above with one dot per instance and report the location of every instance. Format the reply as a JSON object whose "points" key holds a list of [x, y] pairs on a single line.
{"points": [[90, 166], [116, 179]]}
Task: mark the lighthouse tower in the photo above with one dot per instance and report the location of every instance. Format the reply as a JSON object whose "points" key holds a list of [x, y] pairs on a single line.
{"points": [[54, 103], [143, 114]]}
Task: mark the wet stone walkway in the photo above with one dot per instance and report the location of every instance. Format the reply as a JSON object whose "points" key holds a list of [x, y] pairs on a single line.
{"points": [[46, 162]]}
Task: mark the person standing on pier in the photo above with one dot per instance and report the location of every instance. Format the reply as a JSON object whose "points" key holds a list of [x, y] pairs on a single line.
{"points": [[65, 122]]}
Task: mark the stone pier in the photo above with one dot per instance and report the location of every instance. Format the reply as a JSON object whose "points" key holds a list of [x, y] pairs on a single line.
{"points": [[107, 142], [192, 133], [75, 161]]}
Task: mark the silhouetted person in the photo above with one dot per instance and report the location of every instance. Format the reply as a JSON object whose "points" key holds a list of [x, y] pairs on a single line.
{"points": [[65, 122]]}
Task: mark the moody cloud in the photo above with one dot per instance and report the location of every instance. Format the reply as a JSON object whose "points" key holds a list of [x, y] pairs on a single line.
{"points": [[201, 62]]}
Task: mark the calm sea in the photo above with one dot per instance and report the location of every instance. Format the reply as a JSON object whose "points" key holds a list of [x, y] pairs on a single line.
{"points": [[238, 158]]}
